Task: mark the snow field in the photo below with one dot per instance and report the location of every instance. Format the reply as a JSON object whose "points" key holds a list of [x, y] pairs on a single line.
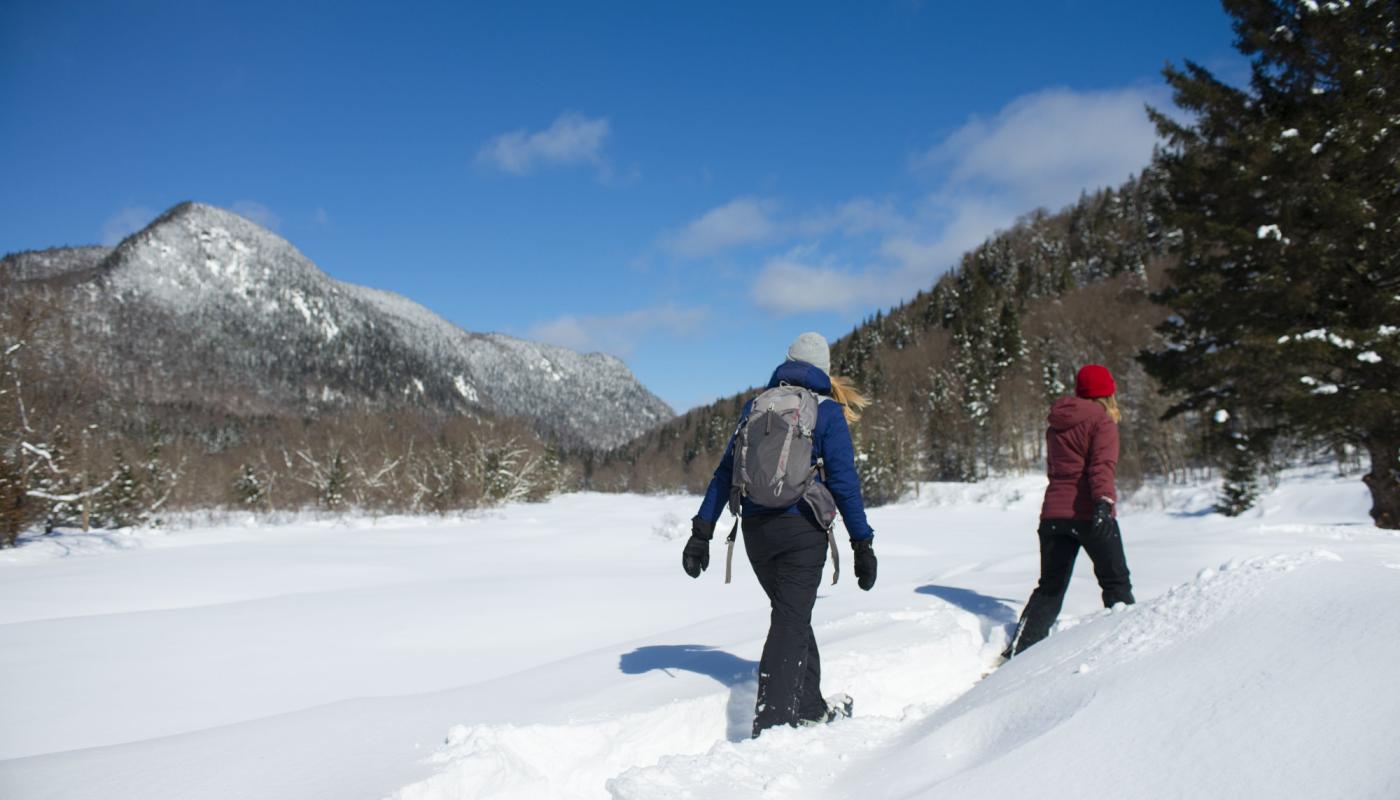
{"points": [[558, 651]]}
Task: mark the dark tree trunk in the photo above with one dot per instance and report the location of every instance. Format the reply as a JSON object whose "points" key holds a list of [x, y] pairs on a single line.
{"points": [[1384, 480]]}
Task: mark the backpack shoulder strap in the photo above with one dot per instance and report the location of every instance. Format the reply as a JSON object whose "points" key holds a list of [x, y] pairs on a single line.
{"points": [[729, 551]]}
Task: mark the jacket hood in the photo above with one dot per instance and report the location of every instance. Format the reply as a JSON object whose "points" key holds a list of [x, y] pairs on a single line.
{"points": [[1068, 412], [800, 373]]}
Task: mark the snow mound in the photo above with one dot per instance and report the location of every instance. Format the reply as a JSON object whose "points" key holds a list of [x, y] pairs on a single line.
{"points": [[562, 761]]}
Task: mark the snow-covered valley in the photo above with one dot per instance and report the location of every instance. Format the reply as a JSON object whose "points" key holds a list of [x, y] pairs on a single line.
{"points": [[558, 651]]}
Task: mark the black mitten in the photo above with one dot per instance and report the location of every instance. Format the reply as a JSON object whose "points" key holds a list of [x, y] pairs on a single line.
{"points": [[696, 557], [866, 563], [1102, 526]]}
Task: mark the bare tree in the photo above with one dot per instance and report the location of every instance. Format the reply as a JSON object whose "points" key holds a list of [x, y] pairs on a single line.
{"points": [[506, 470], [325, 471]]}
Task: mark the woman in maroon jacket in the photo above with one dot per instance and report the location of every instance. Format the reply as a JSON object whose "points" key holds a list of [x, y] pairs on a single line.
{"points": [[1082, 454]]}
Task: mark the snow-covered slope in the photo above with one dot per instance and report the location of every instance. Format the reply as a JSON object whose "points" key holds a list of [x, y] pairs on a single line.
{"points": [[558, 651], [204, 304], [63, 263]]}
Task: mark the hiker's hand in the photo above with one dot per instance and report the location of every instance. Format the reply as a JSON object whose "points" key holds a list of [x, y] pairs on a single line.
{"points": [[696, 558], [1102, 526], [866, 563]]}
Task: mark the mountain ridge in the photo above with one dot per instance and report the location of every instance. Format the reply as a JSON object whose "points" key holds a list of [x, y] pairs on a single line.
{"points": [[220, 305]]}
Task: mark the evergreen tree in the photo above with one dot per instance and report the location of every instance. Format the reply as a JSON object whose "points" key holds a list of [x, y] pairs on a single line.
{"points": [[337, 479], [552, 477], [1241, 486], [1009, 347], [120, 506], [1287, 197], [950, 453], [135, 492], [249, 491], [882, 461], [1052, 387], [157, 480]]}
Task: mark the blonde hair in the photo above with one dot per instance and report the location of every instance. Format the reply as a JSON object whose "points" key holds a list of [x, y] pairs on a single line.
{"points": [[1110, 404], [852, 401]]}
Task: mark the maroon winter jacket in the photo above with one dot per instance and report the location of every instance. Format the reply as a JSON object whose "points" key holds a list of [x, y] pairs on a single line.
{"points": [[1081, 448]]}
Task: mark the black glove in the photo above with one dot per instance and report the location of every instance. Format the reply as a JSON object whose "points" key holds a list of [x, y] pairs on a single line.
{"points": [[1102, 526], [696, 558], [866, 563]]}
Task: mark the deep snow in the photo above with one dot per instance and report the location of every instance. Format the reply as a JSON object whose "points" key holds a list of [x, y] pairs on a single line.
{"points": [[559, 651]]}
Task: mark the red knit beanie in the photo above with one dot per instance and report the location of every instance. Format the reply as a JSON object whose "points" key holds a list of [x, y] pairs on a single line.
{"points": [[1094, 380]]}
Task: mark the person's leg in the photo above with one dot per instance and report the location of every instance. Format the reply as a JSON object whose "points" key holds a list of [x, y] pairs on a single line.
{"points": [[757, 547], [1058, 548], [1110, 564], [790, 576], [812, 705]]}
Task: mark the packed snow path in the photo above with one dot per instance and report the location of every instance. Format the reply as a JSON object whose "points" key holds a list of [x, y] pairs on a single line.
{"points": [[559, 651]]}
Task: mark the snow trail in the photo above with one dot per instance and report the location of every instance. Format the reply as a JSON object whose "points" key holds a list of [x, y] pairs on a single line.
{"points": [[868, 654]]}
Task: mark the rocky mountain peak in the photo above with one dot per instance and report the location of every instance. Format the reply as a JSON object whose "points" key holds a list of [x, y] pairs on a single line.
{"points": [[216, 312]]}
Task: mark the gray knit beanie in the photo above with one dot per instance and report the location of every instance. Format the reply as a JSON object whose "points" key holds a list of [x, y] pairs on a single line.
{"points": [[812, 348]]}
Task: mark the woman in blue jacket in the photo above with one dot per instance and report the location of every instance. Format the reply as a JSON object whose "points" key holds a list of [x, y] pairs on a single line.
{"points": [[787, 547]]}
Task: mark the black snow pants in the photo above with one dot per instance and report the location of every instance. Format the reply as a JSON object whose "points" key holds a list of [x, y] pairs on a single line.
{"points": [[1060, 540], [787, 552]]}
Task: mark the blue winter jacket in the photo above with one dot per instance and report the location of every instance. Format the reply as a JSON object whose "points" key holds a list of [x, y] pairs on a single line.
{"points": [[831, 441]]}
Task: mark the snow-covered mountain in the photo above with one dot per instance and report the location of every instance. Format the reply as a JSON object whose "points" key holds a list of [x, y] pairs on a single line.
{"points": [[206, 309]]}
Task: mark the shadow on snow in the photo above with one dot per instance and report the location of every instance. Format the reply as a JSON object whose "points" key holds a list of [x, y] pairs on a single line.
{"points": [[993, 609], [737, 674]]}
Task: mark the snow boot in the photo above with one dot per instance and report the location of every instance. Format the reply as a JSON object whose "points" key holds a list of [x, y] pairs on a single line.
{"points": [[838, 706]]}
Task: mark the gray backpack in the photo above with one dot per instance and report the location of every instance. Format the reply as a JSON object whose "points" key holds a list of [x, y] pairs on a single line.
{"points": [[773, 464]]}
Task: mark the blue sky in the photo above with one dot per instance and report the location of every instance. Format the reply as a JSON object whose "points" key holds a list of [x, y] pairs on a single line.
{"points": [[684, 185]]}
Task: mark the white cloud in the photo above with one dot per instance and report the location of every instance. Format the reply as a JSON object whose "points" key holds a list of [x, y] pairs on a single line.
{"points": [[903, 261], [789, 284], [124, 223], [572, 139], [618, 334], [740, 222], [748, 221], [1041, 150], [949, 230], [256, 212], [854, 218]]}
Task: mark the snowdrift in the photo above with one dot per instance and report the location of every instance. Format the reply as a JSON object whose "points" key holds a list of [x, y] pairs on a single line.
{"points": [[1264, 679]]}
